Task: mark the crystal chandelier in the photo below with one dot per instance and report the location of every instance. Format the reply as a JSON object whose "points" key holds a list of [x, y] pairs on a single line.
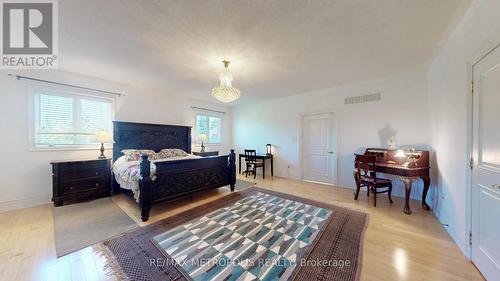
{"points": [[225, 92]]}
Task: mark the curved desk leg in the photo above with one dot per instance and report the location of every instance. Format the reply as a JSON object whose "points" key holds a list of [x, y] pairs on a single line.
{"points": [[427, 183], [407, 182], [356, 193]]}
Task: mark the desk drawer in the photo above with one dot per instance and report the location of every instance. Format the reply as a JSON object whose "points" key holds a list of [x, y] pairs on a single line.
{"points": [[85, 185]]}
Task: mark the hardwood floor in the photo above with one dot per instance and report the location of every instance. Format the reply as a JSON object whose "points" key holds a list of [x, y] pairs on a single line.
{"points": [[396, 246]]}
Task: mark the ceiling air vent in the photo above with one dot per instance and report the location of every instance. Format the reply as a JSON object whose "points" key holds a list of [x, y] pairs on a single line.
{"points": [[363, 99]]}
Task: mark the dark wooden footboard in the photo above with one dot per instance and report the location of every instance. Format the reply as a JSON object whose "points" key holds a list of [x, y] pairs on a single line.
{"points": [[179, 178]]}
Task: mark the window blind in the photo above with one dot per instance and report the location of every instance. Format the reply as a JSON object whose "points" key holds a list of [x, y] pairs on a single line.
{"points": [[69, 120]]}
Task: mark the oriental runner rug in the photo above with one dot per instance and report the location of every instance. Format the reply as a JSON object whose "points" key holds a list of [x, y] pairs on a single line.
{"points": [[253, 234]]}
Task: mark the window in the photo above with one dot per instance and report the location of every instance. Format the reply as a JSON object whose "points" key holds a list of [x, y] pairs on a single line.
{"points": [[69, 120], [210, 126]]}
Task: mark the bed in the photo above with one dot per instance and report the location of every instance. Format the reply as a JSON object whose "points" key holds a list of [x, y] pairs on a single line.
{"points": [[152, 182]]}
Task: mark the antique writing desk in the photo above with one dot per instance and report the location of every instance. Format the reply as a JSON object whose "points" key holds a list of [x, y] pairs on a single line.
{"points": [[407, 167]]}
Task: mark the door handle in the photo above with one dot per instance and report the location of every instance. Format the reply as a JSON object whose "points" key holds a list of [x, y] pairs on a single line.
{"points": [[331, 152], [496, 186]]}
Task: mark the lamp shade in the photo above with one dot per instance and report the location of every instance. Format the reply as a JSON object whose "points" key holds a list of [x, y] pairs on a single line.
{"points": [[103, 137], [202, 137], [268, 149]]}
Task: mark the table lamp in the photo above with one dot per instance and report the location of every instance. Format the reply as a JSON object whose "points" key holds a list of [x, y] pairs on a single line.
{"points": [[103, 137], [410, 155], [268, 149], [202, 138], [400, 153]]}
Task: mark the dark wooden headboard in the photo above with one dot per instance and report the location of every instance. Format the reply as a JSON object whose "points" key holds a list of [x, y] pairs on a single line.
{"points": [[129, 135]]}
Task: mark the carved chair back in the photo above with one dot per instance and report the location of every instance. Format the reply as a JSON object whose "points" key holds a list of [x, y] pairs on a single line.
{"points": [[366, 165]]}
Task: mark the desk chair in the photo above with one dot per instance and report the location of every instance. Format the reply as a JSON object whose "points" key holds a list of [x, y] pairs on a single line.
{"points": [[368, 177], [252, 163]]}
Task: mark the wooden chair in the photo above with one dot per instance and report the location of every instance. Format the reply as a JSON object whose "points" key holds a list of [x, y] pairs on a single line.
{"points": [[367, 176], [252, 163]]}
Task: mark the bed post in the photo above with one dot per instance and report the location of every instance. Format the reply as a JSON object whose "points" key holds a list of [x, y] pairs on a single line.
{"points": [[232, 169], [146, 189]]}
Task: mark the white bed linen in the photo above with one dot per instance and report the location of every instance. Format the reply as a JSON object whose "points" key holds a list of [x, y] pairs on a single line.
{"points": [[127, 173]]}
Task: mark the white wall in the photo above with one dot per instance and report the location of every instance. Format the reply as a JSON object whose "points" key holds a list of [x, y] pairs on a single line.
{"points": [[419, 108], [402, 112], [26, 175], [448, 94]]}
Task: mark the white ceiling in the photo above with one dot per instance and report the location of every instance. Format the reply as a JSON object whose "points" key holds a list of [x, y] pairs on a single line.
{"points": [[277, 48]]}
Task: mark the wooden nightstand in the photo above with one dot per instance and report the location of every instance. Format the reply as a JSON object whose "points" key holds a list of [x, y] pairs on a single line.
{"points": [[78, 180], [206, 153]]}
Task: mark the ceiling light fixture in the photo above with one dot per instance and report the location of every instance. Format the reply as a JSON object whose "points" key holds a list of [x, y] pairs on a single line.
{"points": [[225, 92]]}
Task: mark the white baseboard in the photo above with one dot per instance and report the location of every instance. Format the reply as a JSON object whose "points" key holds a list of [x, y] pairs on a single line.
{"points": [[24, 203], [317, 182]]}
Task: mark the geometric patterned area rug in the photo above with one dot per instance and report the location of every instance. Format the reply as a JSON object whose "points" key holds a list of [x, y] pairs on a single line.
{"points": [[252, 234], [260, 237]]}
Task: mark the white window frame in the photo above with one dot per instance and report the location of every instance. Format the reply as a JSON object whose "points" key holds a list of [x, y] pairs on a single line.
{"points": [[34, 115], [209, 114]]}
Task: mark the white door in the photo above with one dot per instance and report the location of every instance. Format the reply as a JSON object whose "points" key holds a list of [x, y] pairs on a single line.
{"points": [[486, 171], [318, 154]]}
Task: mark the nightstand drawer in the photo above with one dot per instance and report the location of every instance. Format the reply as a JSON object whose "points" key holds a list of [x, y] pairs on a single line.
{"points": [[85, 185], [83, 165], [84, 174], [206, 153]]}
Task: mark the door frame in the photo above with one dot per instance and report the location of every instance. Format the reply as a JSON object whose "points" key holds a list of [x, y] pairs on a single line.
{"points": [[334, 147], [489, 46]]}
